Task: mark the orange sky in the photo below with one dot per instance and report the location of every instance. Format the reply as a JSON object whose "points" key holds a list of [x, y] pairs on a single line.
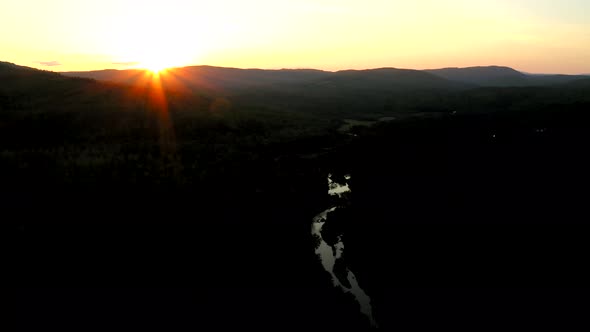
{"points": [[63, 35]]}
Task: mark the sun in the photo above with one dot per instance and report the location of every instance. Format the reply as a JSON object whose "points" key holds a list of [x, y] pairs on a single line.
{"points": [[158, 61], [155, 66], [156, 57], [154, 38], [155, 42]]}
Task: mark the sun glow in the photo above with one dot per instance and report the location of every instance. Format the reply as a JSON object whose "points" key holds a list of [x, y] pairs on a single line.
{"points": [[155, 60], [155, 65], [74, 35], [158, 59], [155, 37], [164, 56]]}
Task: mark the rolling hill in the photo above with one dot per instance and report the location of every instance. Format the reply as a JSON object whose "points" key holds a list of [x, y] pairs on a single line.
{"points": [[496, 76], [367, 94], [483, 76], [232, 81], [310, 82], [312, 91]]}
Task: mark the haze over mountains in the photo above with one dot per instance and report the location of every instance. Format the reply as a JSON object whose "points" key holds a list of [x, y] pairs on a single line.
{"points": [[372, 92], [367, 94], [500, 76], [228, 79]]}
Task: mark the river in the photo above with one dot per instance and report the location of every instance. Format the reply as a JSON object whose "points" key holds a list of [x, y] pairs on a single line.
{"points": [[330, 255]]}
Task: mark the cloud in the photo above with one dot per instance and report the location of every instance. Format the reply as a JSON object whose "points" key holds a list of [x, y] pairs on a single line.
{"points": [[130, 63], [49, 63]]}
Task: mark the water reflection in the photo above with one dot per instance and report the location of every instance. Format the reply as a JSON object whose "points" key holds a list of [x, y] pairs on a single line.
{"points": [[330, 255]]}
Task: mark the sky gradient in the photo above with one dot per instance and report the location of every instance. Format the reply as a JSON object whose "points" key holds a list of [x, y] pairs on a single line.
{"points": [[538, 36]]}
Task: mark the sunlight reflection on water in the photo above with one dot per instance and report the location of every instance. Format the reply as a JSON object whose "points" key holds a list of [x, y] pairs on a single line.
{"points": [[329, 255]]}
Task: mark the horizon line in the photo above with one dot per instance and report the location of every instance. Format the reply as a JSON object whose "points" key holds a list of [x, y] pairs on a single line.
{"points": [[332, 71], [311, 68]]}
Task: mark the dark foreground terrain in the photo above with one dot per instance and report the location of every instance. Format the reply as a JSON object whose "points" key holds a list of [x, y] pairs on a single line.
{"points": [[468, 210]]}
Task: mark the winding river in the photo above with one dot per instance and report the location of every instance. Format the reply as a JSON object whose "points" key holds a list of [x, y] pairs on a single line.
{"points": [[330, 255]]}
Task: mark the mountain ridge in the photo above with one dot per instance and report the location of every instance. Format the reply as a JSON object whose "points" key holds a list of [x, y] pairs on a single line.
{"points": [[281, 82], [374, 93], [231, 77]]}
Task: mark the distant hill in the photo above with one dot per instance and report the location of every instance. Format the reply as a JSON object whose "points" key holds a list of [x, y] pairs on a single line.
{"points": [[58, 108], [31, 88], [312, 91], [554, 79], [483, 76], [312, 83], [368, 94], [373, 90], [21, 79], [496, 76], [388, 79], [113, 75], [234, 80], [207, 78]]}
